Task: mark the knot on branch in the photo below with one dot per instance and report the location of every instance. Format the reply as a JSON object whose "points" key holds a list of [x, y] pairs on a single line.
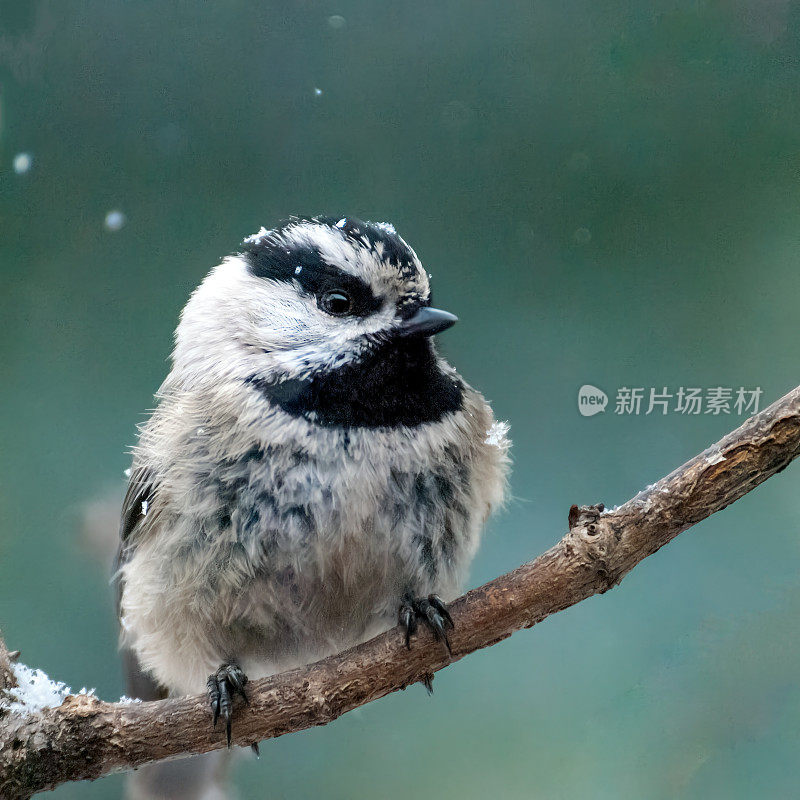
{"points": [[594, 539], [584, 515]]}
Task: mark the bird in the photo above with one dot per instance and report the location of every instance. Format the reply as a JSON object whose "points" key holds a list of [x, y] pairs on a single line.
{"points": [[314, 472]]}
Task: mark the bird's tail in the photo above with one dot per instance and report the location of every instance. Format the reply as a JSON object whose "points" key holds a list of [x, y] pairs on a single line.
{"points": [[203, 777]]}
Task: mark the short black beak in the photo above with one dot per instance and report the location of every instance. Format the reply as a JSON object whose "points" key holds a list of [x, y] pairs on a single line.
{"points": [[426, 322]]}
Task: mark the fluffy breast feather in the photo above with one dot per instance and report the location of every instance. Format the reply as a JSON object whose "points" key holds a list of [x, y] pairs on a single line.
{"points": [[277, 540]]}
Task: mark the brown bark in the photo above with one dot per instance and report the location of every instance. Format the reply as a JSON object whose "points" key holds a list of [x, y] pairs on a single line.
{"points": [[86, 738]]}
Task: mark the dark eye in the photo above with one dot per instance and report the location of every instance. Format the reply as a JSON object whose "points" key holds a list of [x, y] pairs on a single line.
{"points": [[336, 303]]}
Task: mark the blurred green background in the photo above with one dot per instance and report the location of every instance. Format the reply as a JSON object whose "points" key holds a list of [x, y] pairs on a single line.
{"points": [[605, 193]]}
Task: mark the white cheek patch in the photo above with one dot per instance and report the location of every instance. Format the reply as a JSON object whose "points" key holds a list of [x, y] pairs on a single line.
{"points": [[301, 338], [286, 318]]}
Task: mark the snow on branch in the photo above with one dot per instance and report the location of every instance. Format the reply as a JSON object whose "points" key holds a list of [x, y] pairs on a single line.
{"points": [[85, 738]]}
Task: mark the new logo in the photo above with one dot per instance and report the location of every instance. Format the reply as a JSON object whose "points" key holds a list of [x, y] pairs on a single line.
{"points": [[591, 400]]}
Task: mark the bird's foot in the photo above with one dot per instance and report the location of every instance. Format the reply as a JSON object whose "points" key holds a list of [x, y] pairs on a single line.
{"points": [[431, 611], [223, 686]]}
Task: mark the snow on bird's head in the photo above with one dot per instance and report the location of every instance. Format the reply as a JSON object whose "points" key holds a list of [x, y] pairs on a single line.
{"points": [[371, 251]]}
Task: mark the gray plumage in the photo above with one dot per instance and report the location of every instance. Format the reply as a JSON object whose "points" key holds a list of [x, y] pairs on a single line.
{"points": [[261, 525]]}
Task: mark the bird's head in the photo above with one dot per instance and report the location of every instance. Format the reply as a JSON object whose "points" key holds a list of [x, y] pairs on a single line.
{"points": [[309, 297]]}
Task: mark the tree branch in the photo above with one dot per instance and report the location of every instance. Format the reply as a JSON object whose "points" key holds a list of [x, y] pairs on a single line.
{"points": [[87, 738]]}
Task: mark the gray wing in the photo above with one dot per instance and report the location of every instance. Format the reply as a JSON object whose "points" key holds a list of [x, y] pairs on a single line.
{"points": [[142, 488], [140, 495]]}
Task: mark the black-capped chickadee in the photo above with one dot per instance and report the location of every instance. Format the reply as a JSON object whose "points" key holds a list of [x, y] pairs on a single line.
{"points": [[313, 469]]}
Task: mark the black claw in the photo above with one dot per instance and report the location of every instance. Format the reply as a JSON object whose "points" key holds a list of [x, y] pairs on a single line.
{"points": [[432, 611], [254, 748], [213, 697], [439, 605], [427, 682], [223, 686], [237, 680], [436, 623], [408, 620], [225, 700]]}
